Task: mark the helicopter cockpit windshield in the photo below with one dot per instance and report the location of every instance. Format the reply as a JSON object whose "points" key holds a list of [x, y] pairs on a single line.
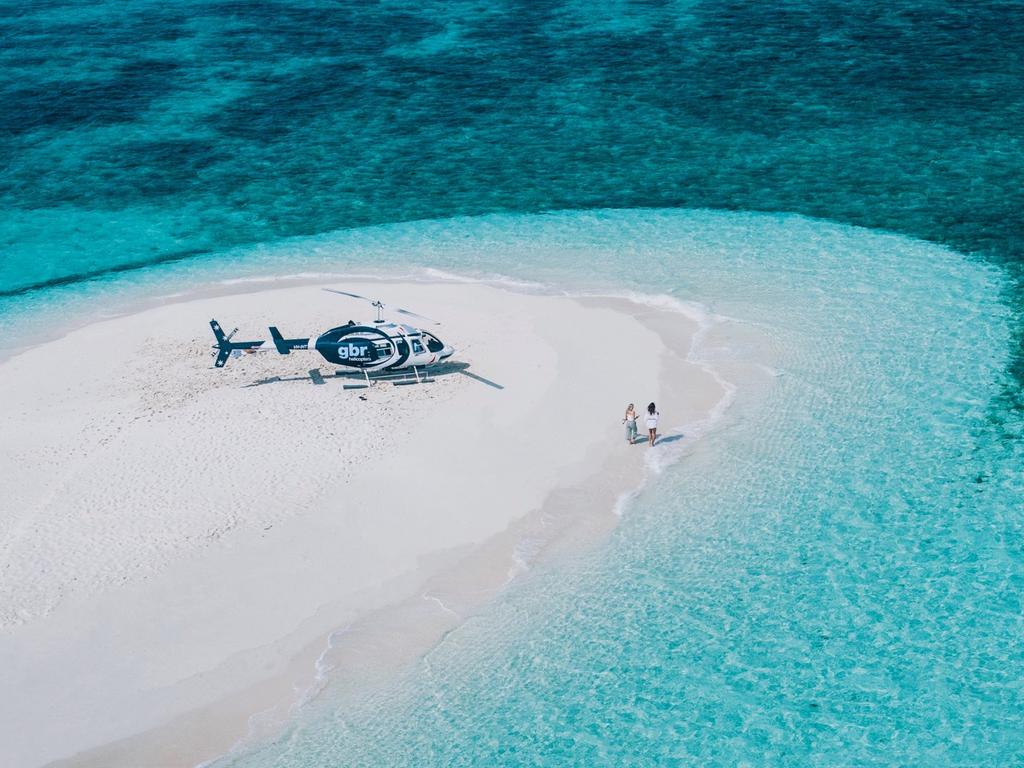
{"points": [[433, 343]]}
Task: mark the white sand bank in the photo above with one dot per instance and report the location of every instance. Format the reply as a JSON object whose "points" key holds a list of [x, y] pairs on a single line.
{"points": [[171, 535]]}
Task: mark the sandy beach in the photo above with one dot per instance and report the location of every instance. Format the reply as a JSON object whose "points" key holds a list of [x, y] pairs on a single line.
{"points": [[179, 545]]}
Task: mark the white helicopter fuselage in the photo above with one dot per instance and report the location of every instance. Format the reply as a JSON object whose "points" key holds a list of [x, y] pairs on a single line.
{"points": [[373, 346], [368, 347], [382, 345]]}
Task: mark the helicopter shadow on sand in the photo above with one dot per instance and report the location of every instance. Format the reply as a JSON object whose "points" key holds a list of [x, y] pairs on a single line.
{"points": [[354, 378]]}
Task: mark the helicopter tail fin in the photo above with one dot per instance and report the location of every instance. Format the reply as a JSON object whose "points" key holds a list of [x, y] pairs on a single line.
{"points": [[284, 346], [225, 346]]}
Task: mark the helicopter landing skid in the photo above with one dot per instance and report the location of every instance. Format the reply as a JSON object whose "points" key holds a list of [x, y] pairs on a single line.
{"points": [[402, 378], [360, 385]]}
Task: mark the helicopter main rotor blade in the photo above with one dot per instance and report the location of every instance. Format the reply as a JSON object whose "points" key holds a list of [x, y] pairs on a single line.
{"points": [[376, 302], [346, 293], [414, 314]]}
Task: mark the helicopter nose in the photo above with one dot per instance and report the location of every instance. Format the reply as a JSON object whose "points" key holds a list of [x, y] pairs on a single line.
{"points": [[447, 352]]}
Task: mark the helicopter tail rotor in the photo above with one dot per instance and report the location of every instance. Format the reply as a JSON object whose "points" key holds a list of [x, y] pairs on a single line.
{"points": [[225, 346]]}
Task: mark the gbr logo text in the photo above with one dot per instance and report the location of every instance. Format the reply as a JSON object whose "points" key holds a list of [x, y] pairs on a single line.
{"points": [[352, 351]]}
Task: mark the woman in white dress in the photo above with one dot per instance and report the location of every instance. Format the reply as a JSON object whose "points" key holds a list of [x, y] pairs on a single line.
{"points": [[652, 424]]}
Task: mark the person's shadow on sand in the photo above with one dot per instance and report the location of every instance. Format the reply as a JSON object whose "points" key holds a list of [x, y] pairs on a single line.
{"points": [[661, 440]]}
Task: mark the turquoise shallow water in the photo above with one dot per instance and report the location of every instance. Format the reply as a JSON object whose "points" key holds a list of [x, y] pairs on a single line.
{"points": [[832, 578]]}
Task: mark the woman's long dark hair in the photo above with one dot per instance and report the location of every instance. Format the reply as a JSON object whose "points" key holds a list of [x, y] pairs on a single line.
{"points": [[651, 409]]}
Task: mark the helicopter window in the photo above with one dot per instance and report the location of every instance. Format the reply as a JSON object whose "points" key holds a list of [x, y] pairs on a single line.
{"points": [[433, 343], [417, 348]]}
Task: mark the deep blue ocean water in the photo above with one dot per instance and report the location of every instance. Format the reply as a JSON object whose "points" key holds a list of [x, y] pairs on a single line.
{"points": [[836, 577]]}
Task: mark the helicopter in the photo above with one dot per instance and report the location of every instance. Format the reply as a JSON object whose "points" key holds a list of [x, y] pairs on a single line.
{"points": [[360, 347]]}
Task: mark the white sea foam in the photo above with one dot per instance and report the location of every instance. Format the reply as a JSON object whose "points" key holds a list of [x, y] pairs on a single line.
{"points": [[625, 499], [266, 721], [523, 555], [493, 279], [306, 277], [441, 604]]}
